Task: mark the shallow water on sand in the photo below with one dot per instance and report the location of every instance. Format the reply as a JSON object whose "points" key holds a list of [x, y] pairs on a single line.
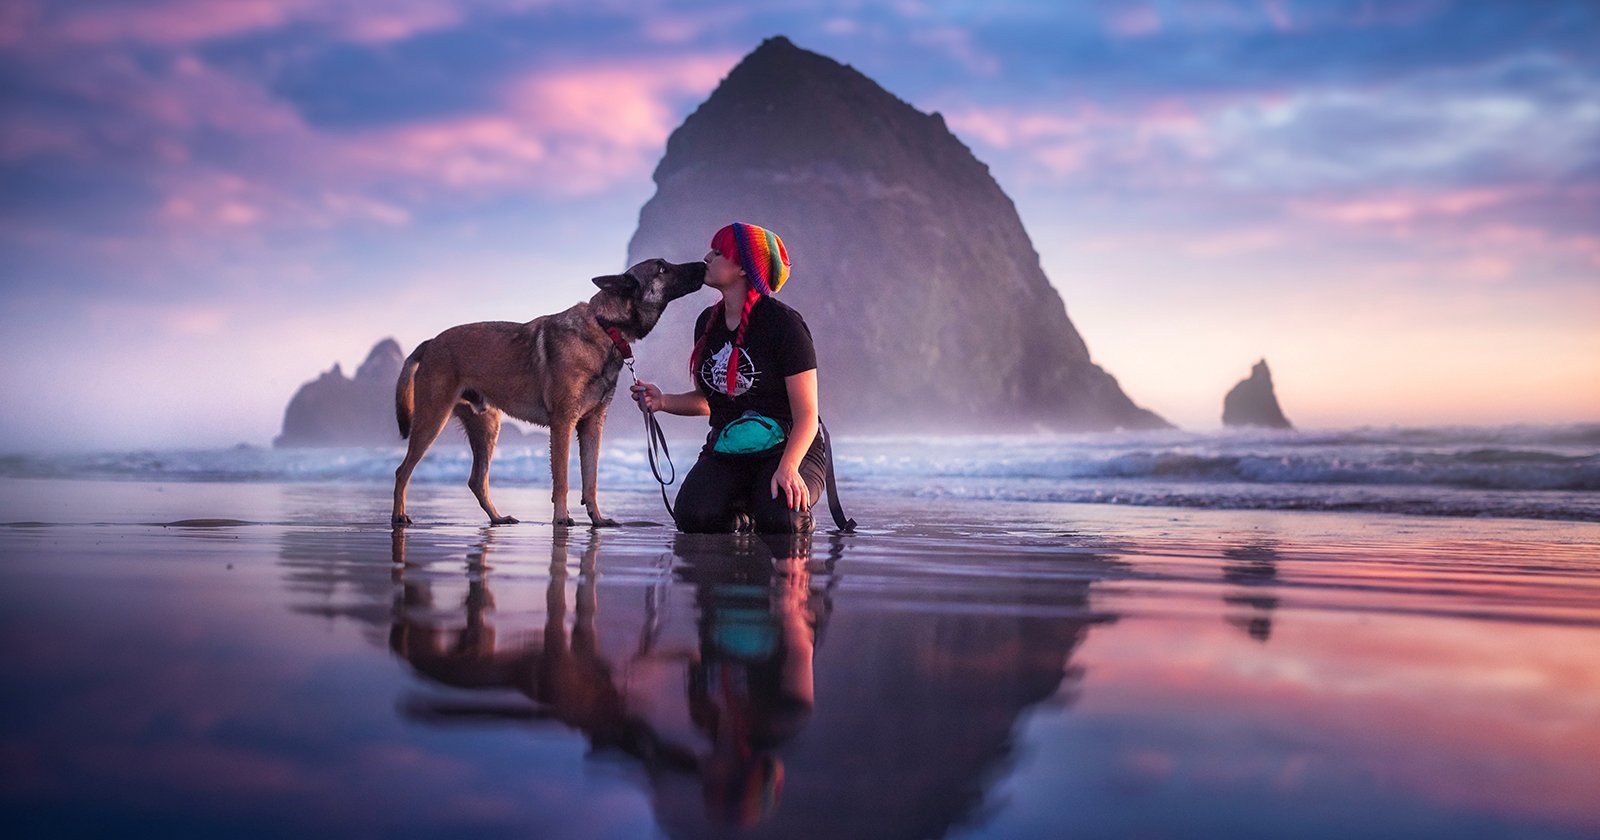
{"points": [[265, 660]]}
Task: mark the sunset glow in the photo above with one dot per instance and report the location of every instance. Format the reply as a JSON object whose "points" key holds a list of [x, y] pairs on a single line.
{"points": [[1395, 204]]}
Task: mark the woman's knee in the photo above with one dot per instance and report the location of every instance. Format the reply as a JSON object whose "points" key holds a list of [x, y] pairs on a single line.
{"points": [[781, 520], [703, 519], [705, 501]]}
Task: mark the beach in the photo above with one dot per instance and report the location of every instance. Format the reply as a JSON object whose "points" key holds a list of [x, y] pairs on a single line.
{"points": [[267, 658]]}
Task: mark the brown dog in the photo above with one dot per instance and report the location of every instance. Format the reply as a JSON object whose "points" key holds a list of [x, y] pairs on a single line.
{"points": [[558, 371]]}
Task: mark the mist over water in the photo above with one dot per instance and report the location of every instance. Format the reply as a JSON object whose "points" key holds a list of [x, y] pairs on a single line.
{"points": [[1541, 472]]}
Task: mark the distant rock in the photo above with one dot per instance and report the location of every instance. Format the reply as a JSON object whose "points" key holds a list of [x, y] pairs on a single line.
{"points": [[911, 266], [336, 410], [1253, 403]]}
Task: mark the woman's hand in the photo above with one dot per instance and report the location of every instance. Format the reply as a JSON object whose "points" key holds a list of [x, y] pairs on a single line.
{"points": [[788, 481], [648, 396]]}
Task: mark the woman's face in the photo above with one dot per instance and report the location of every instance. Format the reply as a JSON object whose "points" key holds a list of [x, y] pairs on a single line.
{"points": [[721, 272]]}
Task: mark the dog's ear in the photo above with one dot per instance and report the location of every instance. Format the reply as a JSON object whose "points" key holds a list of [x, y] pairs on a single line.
{"points": [[618, 284]]}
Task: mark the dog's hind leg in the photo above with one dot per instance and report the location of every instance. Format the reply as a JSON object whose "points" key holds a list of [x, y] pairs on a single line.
{"points": [[482, 432], [432, 413], [589, 428]]}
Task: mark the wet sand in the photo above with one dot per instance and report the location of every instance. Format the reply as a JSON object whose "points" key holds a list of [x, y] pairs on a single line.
{"points": [[269, 659]]}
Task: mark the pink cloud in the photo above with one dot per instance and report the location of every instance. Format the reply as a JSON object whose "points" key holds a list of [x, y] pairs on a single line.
{"points": [[18, 18], [176, 23], [574, 130], [1511, 235], [570, 130], [461, 152], [205, 203], [958, 44], [1229, 243], [396, 22], [1487, 268], [40, 136], [1134, 21], [669, 27], [1403, 208], [1278, 12], [141, 113], [1153, 143], [1007, 128]]}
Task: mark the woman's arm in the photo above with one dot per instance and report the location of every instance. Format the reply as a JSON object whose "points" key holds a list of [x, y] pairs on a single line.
{"points": [[691, 404], [802, 389]]}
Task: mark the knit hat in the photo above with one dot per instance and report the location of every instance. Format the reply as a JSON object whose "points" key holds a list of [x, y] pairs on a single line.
{"points": [[766, 264], [758, 251]]}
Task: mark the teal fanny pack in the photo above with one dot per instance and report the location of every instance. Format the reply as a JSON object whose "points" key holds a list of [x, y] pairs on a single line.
{"points": [[748, 434]]}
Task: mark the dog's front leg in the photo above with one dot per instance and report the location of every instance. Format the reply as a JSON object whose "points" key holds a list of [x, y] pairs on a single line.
{"points": [[561, 428], [589, 429]]}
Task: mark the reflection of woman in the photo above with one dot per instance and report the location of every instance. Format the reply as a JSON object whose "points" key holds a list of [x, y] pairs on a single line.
{"points": [[750, 685], [755, 374]]}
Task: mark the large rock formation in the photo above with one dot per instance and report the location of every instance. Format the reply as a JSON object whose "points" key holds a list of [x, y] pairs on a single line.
{"points": [[336, 410], [1253, 403], [911, 266]]}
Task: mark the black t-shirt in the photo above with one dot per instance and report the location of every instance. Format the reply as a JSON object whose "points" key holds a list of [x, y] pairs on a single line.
{"points": [[777, 344]]}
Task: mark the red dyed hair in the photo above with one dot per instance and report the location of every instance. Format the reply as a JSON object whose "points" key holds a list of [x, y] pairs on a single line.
{"points": [[718, 313], [775, 262]]}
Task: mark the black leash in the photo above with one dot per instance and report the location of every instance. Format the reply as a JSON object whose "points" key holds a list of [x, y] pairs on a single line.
{"points": [[846, 525], [655, 438]]}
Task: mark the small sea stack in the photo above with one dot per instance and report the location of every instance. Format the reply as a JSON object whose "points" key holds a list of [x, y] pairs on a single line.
{"points": [[1253, 402], [337, 410]]}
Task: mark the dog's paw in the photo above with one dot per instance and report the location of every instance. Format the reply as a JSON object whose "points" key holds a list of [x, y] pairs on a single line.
{"points": [[503, 520], [400, 520], [604, 522], [564, 521]]}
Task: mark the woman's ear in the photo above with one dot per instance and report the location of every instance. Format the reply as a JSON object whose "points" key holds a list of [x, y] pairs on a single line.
{"points": [[618, 284]]}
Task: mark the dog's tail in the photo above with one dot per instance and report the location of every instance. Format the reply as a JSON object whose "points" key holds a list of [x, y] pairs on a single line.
{"points": [[405, 387]]}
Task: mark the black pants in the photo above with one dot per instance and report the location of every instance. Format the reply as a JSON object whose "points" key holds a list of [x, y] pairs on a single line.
{"points": [[719, 487]]}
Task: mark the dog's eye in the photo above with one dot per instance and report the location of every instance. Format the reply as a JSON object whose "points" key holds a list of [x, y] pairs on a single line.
{"points": [[661, 266]]}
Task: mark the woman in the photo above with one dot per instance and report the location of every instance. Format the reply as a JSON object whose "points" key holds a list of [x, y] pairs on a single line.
{"points": [[755, 373]]}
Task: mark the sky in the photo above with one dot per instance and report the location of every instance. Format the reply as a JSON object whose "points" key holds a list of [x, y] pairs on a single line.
{"points": [[205, 203]]}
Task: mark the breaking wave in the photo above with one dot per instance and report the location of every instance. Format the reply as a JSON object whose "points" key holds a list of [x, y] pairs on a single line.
{"points": [[1522, 471]]}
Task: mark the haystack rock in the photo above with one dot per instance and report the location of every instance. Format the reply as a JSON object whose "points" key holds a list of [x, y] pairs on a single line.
{"points": [[911, 266], [336, 410], [1253, 403]]}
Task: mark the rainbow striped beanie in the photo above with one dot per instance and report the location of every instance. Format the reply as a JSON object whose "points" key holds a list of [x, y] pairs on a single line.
{"points": [[759, 252]]}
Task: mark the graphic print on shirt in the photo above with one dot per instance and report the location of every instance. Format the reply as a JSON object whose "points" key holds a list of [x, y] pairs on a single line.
{"points": [[714, 371]]}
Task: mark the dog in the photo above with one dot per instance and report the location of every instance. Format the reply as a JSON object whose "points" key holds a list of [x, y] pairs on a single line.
{"points": [[558, 371]]}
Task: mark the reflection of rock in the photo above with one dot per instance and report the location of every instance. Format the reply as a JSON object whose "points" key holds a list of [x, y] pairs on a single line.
{"points": [[336, 410], [1253, 403], [1254, 569], [911, 266]]}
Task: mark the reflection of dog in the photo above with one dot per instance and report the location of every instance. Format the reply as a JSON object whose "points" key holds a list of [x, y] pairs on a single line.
{"points": [[558, 371]]}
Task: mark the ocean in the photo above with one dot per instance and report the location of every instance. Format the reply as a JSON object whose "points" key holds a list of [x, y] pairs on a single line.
{"points": [[1320, 635], [1532, 472]]}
